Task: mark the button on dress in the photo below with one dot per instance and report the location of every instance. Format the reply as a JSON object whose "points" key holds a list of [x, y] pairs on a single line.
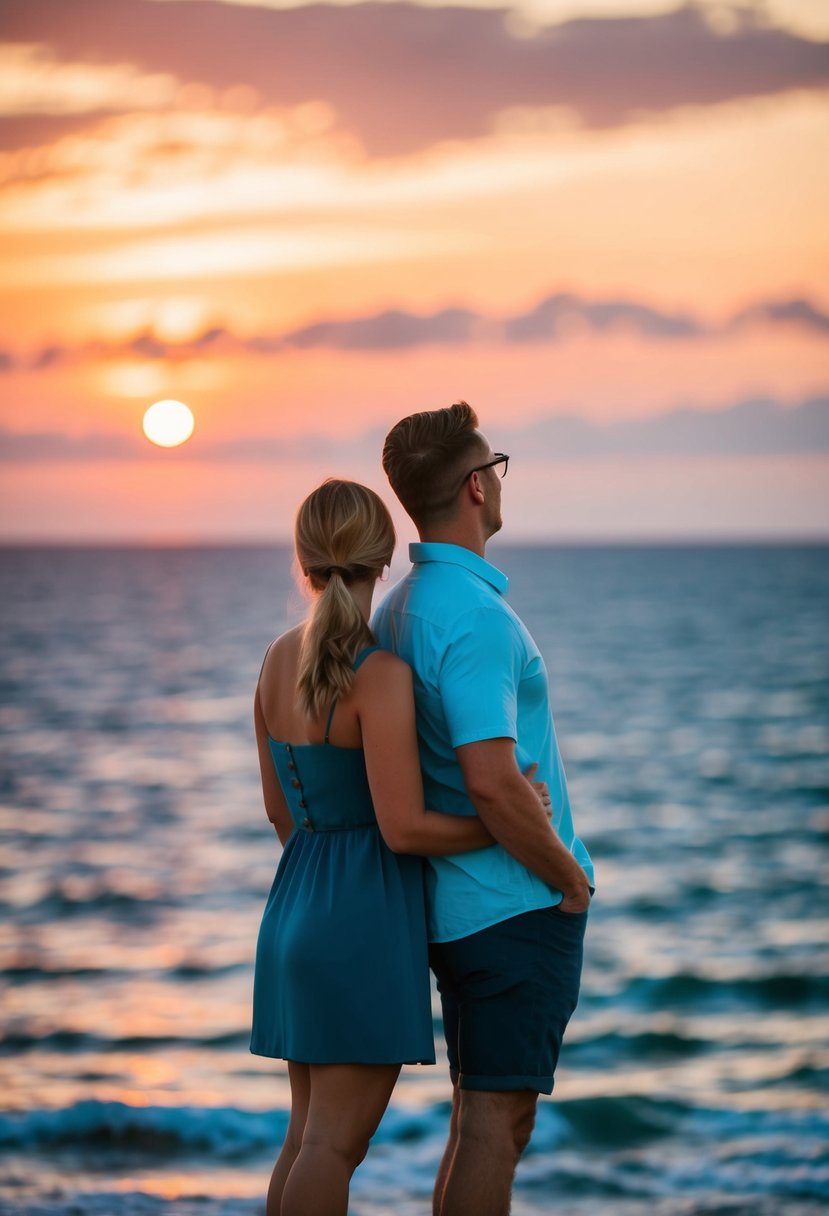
{"points": [[342, 973]]}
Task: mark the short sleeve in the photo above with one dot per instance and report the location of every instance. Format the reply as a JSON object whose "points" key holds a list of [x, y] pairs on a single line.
{"points": [[479, 678]]}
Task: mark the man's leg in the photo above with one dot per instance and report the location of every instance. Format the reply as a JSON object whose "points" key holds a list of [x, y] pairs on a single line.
{"points": [[449, 1152], [451, 1026], [493, 1131], [509, 991]]}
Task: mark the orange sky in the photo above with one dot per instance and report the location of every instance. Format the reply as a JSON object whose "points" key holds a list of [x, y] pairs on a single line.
{"points": [[307, 221]]}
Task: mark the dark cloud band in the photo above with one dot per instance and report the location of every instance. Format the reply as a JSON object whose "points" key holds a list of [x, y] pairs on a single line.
{"points": [[403, 77], [552, 320]]}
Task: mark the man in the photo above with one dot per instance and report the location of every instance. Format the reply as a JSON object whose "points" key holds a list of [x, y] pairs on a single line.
{"points": [[506, 924]]}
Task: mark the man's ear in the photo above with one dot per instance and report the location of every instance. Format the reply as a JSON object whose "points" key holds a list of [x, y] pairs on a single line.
{"points": [[475, 489]]}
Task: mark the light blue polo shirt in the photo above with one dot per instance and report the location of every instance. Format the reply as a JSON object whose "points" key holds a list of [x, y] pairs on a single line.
{"points": [[477, 675]]}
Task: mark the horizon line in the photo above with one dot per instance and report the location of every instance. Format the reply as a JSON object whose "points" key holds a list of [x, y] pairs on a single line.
{"points": [[725, 541]]}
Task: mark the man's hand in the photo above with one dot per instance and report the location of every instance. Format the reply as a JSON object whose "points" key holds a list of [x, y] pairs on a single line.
{"points": [[541, 788], [578, 901], [511, 810], [574, 901]]}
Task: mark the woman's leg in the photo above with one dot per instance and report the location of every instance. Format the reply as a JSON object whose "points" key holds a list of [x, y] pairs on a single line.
{"points": [[300, 1093], [347, 1102]]}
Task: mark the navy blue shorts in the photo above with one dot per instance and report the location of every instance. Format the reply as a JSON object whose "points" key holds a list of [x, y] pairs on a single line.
{"points": [[508, 993]]}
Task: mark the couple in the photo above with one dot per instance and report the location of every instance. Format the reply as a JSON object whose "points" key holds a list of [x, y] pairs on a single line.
{"points": [[441, 703]]}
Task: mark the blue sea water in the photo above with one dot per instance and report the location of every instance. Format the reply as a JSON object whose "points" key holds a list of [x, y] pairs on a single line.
{"points": [[691, 693]]}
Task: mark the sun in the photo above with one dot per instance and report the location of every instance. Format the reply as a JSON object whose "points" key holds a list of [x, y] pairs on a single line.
{"points": [[168, 423]]}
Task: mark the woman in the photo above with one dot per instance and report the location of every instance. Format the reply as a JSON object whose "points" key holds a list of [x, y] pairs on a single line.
{"points": [[341, 989]]}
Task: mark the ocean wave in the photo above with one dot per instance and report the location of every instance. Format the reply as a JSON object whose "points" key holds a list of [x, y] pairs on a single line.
{"points": [[231, 1133], [63, 900], [121, 1203], [636, 1045], [223, 1132], [689, 989], [124, 1203], [136, 1203], [68, 1041], [32, 973]]}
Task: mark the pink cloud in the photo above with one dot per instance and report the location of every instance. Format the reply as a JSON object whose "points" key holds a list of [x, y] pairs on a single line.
{"points": [[402, 76]]}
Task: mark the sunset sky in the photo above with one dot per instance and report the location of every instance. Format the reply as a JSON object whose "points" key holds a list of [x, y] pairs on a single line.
{"points": [[602, 222]]}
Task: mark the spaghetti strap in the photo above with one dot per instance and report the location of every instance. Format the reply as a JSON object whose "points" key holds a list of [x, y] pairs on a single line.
{"points": [[330, 717], [363, 655], [356, 665]]}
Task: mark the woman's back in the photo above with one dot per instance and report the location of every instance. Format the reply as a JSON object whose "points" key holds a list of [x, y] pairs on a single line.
{"points": [[324, 784], [284, 717]]}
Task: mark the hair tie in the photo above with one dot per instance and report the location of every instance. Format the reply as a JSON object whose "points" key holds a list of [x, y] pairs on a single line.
{"points": [[341, 570]]}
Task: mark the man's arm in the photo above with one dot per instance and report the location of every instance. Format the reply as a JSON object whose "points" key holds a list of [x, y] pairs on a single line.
{"points": [[511, 811]]}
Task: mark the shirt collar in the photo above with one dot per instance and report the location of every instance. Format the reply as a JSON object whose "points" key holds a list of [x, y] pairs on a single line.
{"points": [[456, 555]]}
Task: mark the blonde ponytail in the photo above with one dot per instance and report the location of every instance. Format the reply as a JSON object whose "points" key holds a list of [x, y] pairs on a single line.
{"points": [[344, 534]]}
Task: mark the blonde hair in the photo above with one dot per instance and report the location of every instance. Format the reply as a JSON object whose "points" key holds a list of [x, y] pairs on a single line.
{"points": [[343, 534]]}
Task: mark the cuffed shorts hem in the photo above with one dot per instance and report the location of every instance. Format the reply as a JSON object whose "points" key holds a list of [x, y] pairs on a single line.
{"points": [[538, 1085]]}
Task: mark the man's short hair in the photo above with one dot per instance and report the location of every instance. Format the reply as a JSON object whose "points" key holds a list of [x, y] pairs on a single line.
{"points": [[425, 457]]}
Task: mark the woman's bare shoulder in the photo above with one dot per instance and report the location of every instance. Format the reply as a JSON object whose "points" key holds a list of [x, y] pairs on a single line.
{"points": [[282, 650], [382, 665], [290, 639]]}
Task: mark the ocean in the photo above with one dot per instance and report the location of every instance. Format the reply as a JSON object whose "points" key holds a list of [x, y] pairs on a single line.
{"points": [[690, 687]]}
